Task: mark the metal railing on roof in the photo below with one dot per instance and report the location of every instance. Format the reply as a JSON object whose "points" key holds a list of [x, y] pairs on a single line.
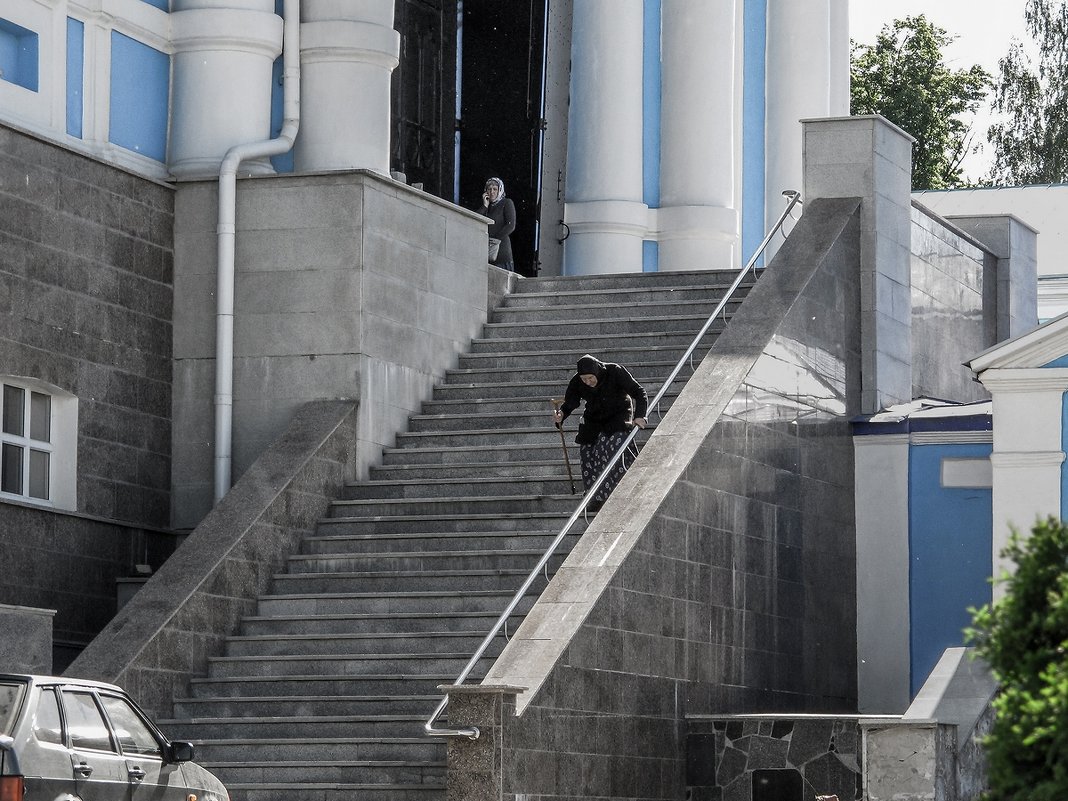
{"points": [[472, 733]]}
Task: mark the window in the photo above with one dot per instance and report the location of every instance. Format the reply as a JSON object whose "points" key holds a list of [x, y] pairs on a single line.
{"points": [[85, 723], [47, 725], [18, 55], [38, 442], [10, 699], [26, 443], [133, 735]]}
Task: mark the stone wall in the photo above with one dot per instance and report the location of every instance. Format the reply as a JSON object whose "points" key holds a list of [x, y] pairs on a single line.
{"points": [[348, 285], [182, 615], [85, 311]]}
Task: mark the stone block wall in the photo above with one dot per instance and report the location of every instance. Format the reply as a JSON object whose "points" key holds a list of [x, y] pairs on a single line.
{"points": [[86, 275], [348, 285]]}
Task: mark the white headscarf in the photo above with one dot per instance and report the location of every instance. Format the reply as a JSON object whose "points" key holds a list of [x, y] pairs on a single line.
{"points": [[500, 189]]}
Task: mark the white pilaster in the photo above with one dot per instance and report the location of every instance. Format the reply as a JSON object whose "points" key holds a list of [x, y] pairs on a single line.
{"points": [[348, 53], [698, 226], [224, 53], [806, 78], [1027, 455], [603, 194]]}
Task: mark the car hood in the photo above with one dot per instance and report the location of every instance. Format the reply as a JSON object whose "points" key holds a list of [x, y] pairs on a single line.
{"points": [[204, 782]]}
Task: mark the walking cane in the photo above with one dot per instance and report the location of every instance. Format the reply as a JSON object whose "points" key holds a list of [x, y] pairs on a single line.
{"points": [[556, 402]]}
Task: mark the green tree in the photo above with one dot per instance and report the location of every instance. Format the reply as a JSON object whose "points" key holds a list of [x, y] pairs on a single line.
{"points": [[1031, 143], [904, 77], [1023, 636]]}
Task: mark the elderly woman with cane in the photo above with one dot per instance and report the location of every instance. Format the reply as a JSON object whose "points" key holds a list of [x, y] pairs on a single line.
{"points": [[607, 390]]}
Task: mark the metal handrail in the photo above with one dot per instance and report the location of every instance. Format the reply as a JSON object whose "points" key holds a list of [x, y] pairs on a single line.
{"points": [[472, 733]]}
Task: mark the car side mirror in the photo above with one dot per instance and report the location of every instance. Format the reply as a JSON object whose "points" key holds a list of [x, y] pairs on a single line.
{"points": [[180, 752]]}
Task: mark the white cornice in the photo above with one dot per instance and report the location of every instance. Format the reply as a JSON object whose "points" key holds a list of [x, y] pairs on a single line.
{"points": [[1034, 379], [1033, 349], [1027, 458], [952, 438]]}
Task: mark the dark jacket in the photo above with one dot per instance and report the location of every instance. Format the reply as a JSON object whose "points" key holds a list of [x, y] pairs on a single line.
{"points": [[608, 404], [503, 216]]}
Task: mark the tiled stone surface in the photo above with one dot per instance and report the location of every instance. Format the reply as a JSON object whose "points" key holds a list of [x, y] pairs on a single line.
{"points": [[26, 646], [86, 263], [953, 309], [727, 758], [720, 576], [182, 614]]}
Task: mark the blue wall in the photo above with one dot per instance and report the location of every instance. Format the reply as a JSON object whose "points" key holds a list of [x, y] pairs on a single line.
{"points": [[140, 95], [75, 75], [19, 55], [950, 561], [753, 122]]}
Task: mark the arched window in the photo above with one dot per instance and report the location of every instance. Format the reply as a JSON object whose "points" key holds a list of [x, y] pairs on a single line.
{"points": [[38, 442]]}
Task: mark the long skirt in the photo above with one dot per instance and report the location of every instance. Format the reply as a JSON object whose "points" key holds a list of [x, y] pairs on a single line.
{"points": [[595, 457]]}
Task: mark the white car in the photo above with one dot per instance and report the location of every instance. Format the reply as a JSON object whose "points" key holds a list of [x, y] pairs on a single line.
{"points": [[66, 738]]}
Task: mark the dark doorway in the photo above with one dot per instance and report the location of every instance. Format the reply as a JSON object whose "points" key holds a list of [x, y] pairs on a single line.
{"points": [[501, 86], [424, 95]]}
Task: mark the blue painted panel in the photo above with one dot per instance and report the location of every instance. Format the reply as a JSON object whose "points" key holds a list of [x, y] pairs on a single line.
{"points": [[754, 69], [1061, 361], [75, 75], [950, 560], [651, 104], [650, 256], [140, 95], [284, 162], [162, 5], [19, 55]]}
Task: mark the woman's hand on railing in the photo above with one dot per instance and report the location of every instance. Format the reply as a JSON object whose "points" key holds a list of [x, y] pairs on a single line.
{"points": [[558, 418], [641, 422]]}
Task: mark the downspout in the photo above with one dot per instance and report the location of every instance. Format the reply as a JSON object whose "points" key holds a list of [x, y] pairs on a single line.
{"points": [[227, 228]]}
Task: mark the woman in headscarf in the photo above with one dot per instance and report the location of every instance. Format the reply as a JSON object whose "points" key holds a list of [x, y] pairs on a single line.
{"points": [[501, 210], [607, 389]]}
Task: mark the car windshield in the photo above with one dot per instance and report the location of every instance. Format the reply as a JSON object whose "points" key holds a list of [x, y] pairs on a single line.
{"points": [[10, 700]]}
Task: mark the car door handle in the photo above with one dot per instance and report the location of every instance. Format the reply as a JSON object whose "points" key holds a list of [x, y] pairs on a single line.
{"points": [[83, 769], [136, 774]]}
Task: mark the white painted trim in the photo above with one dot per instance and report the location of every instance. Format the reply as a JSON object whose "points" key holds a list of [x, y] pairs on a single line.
{"points": [[952, 438], [1026, 379], [1012, 459]]}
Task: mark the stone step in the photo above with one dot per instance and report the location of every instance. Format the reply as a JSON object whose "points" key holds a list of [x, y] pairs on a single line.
{"points": [[649, 373], [460, 487], [392, 684], [259, 728], [482, 471], [565, 359], [422, 580], [379, 772], [304, 706], [417, 561], [388, 603], [242, 749], [594, 299], [596, 344], [436, 541], [593, 283], [415, 665], [487, 505], [328, 791], [473, 454], [505, 407], [498, 437], [623, 315], [355, 644], [413, 623], [583, 325], [346, 523]]}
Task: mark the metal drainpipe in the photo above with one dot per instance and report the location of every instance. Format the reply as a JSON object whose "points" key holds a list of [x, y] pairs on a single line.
{"points": [[224, 316]]}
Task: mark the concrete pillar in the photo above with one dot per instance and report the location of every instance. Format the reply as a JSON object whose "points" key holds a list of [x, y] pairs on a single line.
{"points": [[871, 158], [603, 193], [807, 76], [697, 224], [348, 52], [224, 51], [26, 646]]}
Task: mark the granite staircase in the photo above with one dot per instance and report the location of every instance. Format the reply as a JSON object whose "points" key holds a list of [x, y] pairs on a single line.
{"points": [[324, 692]]}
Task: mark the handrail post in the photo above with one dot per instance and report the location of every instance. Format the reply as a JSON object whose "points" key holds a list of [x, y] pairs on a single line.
{"points": [[794, 198]]}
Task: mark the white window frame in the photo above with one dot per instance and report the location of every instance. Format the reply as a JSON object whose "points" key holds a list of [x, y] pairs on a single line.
{"points": [[61, 447]]}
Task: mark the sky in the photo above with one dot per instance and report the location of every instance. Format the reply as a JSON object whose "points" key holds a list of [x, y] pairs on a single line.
{"points": [[984, 30]]}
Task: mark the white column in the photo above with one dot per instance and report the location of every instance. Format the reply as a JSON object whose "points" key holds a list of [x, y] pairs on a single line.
{"points": [[1027, 453], [806, 79], [697, 223], [348, 53], [224, 52], [603, 193]]}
